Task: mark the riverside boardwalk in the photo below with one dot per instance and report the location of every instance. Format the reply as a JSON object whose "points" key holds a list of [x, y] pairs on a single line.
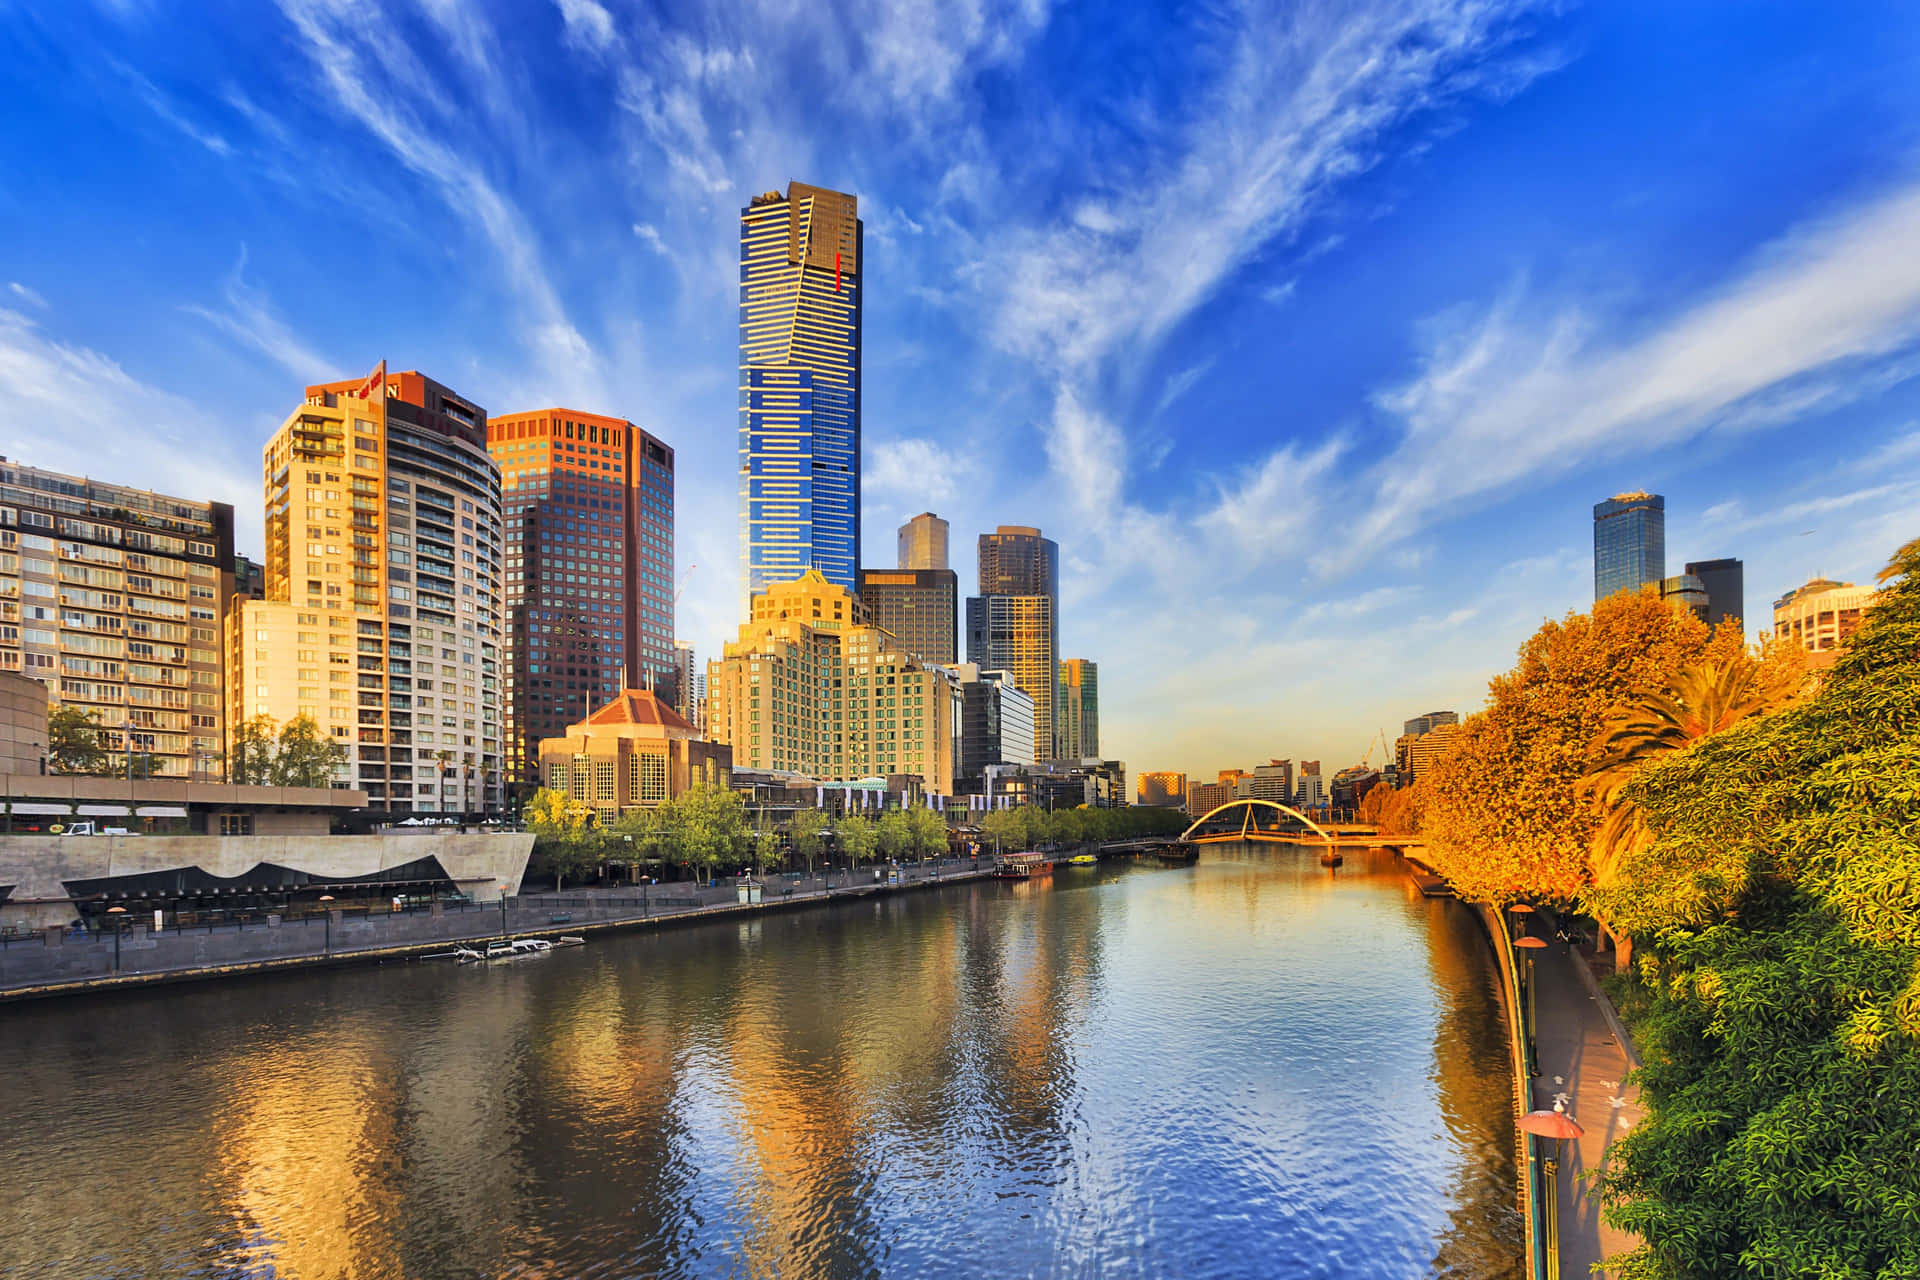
{"points": [[34, 967], [1584, 1056]]}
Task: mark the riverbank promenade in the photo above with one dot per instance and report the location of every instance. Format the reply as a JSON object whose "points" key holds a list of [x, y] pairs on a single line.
{"points": [[1584, 1057], [38, 966]]}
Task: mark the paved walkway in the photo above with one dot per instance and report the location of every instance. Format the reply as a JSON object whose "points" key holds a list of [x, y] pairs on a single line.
{"points": [[1582, 1062]]}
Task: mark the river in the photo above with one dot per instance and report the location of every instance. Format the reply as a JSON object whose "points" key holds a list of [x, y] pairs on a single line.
{"points": [[1248, 1067]]}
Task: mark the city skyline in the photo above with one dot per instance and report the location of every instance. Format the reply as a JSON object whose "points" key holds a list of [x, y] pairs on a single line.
{"points": [[1092, 348]]}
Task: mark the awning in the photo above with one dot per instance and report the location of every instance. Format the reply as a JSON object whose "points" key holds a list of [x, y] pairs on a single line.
{"points": [[103, 811], [27, 808], [159, 811]]}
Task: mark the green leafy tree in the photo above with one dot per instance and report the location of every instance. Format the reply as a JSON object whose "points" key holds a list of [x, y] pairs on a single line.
{"points": [[1007, 828], [305, 756], [928, 832], [1780, 891], [710, 827], [253, 750], [765, 844], [566, 837], [73, 742], [894, 834], [858, 839], [808, 832]]}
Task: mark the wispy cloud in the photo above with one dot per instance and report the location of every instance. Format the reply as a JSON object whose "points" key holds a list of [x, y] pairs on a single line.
{"points": [[1522, 394], [1182, 382], [67, 408], [163, 106], [912, 473], [249, 319], [25, 294]]}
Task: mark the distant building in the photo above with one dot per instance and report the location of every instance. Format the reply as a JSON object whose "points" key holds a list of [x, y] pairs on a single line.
{"points": [[919, 606], [1058, 784], [1163, 790], [1427, 748], [996, 724], [923, 543], [1311, 791], [1686, 593], [1079, 709], [689, 684], [1430, 721], [1272, 781], [1227, 777], [1014, 623], [1350, 785], [249, 579], [636, 752], [1629, 543], [1725, 583], [1821, 617], [1205, 797]]}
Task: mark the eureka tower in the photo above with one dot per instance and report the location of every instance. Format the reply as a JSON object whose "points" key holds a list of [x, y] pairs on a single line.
{"points": [[800, 308]]}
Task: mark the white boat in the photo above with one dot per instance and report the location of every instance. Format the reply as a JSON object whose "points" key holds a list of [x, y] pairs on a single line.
{"points": [[518, 949]]}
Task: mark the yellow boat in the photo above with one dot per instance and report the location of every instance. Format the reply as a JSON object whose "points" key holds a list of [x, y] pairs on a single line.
{"points": [[1083, 859]]}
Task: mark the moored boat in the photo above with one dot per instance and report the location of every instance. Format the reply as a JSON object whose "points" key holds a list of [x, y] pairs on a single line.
{"points": [[1022, 866], [1083, 860]]}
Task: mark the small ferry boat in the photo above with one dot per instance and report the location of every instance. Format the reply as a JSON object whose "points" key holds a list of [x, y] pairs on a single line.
{"points": [[1022, 866], [518, 949], [1084, 860]]}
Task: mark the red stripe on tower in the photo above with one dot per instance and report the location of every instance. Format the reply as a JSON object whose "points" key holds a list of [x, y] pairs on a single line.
{"points": [[836, 271]]}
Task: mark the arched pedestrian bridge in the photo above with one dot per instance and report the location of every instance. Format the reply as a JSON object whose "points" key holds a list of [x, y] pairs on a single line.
{"points": [[1249, 819]]}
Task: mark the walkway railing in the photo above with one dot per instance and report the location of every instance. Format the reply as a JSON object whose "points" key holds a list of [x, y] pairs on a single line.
{"points": [[1534, 1199]]}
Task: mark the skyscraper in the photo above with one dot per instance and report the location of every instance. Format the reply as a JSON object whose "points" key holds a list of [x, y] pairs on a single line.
{"points": [[114, 598], [589, 569], [1725, 581], [923, 542], [1629, 543], [1079, 709], [1014, 623], [800, 318], [382, 618], [919, 606]]}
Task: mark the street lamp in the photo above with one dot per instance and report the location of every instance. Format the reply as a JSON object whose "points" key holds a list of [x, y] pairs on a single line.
{"points": [[1517, 910], [327, 897], [1559, 1126], [1529, 1026], [503, 909], [116, 911]]}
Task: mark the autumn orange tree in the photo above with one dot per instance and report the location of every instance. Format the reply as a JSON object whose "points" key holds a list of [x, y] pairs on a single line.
{"points": [[1507, 813]]}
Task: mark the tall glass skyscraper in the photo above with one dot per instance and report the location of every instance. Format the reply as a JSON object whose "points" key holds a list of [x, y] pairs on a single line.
{"points": [[800, 315], [1014, 623], [1629, 543]]}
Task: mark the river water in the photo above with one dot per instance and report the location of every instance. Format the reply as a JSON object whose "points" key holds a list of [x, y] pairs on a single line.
{"points": [[1249, 1067]]}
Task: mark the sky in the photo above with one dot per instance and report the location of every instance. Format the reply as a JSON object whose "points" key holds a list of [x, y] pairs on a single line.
{"points": [[1310, 331]]}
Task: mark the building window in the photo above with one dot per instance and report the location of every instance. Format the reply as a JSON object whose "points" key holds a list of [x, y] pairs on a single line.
{"points": [[236, 824]]}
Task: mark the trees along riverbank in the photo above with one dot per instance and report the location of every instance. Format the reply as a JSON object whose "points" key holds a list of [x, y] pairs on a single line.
{"points": [[708, 829], [1758, 835]]}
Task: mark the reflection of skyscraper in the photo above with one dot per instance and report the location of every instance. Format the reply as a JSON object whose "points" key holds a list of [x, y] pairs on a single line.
{"points": [[800, 318], [1629, 543], [1014, 623], [923, 542]]}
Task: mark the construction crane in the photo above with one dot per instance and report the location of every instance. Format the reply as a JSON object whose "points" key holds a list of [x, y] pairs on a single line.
{"points": [[681, 589], [1380, 741]]}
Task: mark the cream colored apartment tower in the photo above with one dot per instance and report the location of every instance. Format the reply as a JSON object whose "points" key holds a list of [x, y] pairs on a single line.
{"points": [[382, 618]]}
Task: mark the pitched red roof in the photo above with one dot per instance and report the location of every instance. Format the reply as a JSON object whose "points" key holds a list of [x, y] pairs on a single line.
{"points": [[639, 706]]}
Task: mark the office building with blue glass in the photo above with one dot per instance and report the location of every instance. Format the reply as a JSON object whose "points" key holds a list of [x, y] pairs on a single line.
{"points": [[1629, 543], [800, 323]]}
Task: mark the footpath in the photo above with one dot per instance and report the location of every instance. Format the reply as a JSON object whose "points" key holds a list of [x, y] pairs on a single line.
{"points": [[36, 968], [1583, 1055]]}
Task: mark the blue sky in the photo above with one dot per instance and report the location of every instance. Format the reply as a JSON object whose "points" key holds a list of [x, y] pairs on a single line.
{"points": [[1310, 331]]}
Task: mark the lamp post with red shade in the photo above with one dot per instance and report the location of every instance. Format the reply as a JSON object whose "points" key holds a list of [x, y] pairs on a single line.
{"points": [[1557, 1126]]}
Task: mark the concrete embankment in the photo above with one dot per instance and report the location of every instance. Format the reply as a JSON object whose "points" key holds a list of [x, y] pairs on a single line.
{"points": [[49, 965]]}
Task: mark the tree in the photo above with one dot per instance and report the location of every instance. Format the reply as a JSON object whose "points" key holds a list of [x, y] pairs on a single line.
{"points": [[566, 838], [765, 844], [1007, 828], [857, 838], [73, 742], [1703, 699], [894, 834], [928, 832], [1393, 811], [305, 756], [1780, 889], [1505, 813], [710, 826], [253, 751], [808, 832]]}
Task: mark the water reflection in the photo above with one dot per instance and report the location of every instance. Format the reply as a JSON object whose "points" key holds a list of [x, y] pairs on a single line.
{"points": [[1252, 1066]]}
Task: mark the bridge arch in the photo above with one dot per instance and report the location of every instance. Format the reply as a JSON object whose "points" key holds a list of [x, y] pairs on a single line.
{"points": [[1247, 831]]}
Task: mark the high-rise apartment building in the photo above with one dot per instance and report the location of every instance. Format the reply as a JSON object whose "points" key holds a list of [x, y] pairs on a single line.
{"points": [[114, 599], [1014, 623], [1725, 582], [1428, 722], [588, 581], [690, 685], [923, 542], [1079, 712], [810, 688], [996, 724], [800, 318], [1204, 797], [1272, 781], [383, 619], [249, 579], [1821, 617], [1629, 543], [1163, 789], [1687, 593], [919, 606]]}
